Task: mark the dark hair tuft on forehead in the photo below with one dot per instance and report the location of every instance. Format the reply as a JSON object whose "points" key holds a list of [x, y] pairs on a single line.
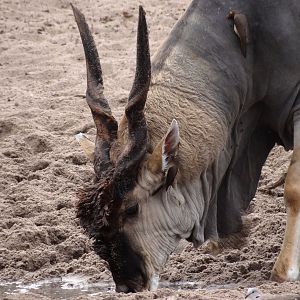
{"points": [[95, 205]]}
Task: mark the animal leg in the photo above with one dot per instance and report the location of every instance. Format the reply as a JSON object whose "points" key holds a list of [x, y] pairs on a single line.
{"points": [[287, 265], [240, 181]]}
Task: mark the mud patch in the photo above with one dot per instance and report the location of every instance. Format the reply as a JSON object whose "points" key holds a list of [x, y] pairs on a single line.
{"points": [[69, 287], [59, 288]]}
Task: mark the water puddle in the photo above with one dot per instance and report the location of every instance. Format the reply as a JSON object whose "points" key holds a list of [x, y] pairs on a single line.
{"points": [[59, 288], [181, 285], [70, 286], [194, 285]]}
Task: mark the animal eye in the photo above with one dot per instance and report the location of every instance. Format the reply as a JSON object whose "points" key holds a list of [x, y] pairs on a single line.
{"points": [[132, 210]]}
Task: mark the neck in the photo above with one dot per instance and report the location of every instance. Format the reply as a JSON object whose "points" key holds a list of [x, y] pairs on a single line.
{"points": [[195, 201]]}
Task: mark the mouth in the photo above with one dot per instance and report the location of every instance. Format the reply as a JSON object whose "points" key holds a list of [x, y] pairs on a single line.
{"points": [[152, 286], [122, 288], [154, 282]]}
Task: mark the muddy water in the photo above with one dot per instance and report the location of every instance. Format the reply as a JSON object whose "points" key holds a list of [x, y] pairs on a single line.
{"points": [[58, 288], [74, 286]]}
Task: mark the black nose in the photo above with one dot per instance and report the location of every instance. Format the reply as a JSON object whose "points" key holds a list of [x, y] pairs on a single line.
{"points": [[123, 288]]}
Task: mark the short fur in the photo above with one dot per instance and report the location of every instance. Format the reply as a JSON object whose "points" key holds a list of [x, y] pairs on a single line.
{"points": [[231, 111]]}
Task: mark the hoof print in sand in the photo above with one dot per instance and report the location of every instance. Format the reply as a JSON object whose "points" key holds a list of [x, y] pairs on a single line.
{"points": [[10, 154], [77, 159], [7, 127], [38, 144], [40, 165]]}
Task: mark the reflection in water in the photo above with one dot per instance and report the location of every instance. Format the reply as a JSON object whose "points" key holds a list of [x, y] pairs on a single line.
{"points": [[59, 288], [71, 286]]}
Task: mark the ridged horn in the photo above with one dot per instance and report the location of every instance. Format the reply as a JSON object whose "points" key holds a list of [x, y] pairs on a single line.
{"points": [[106, 124], [126, 167]]}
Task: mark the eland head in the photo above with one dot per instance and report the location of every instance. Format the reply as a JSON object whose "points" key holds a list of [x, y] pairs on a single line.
{"points": [[124, 211]]}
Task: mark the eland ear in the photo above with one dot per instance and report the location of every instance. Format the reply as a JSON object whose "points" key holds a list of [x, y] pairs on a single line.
{"points": [[170, 146], [163, 159], [87, 146]]}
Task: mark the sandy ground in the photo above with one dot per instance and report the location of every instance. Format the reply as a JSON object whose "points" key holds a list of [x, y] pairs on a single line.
{"points": [[42, 83]]}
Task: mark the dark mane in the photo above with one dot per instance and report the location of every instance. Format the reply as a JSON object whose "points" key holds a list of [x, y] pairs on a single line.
{"points": [[95, 205]]}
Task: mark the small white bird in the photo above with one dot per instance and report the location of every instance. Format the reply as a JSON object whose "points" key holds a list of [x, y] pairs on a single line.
{"points": [[254, 293]]}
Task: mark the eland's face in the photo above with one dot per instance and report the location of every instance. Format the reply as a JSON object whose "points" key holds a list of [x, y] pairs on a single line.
{"points": [[144, 241], [137, 237]]}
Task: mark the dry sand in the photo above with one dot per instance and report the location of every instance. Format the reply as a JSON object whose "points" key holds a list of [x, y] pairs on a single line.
{"points": [[42, 83]]}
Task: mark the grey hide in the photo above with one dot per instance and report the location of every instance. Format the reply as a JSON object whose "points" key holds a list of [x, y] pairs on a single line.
{"points": [[255, 96]]}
